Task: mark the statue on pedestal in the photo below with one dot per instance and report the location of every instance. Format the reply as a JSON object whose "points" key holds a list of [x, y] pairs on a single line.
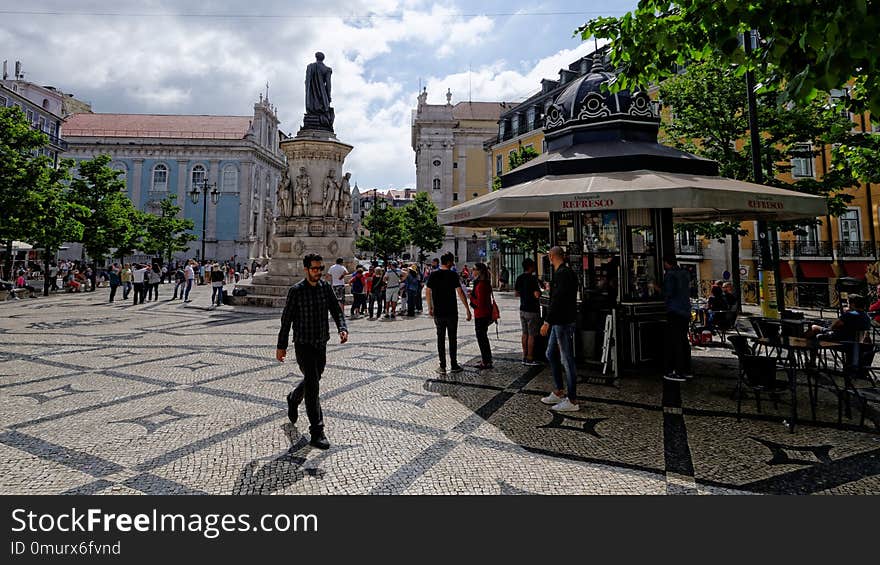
{"points": [[319, 114], [284, 196], [330, 194], [303, 192], [345, 197]]}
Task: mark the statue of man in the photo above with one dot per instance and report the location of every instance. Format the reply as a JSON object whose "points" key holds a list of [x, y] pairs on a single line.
{"points": [[345, 197], [284, 196], [318, 91], [303, 192], [330, 193]]}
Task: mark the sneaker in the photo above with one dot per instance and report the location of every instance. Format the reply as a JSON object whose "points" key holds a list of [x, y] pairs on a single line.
{"points": [[440, 370], [456, 369], [483, 366], [565, 406], [675, 377], [524, 361], [532, 363], [553, 399]]}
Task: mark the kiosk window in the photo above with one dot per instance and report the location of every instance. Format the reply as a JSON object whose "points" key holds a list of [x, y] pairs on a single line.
{"points": [[642, 263]]}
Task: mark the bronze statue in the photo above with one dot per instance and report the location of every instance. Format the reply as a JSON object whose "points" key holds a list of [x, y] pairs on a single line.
{"points": [[318, 111]]}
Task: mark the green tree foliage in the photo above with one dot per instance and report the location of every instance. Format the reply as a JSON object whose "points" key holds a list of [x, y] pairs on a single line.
{"points": [[860, 156], [166, 234], [807, 47], [388, 231], [421, 225], [107, 223], [521, 156], [53, 217], [22, 171]]}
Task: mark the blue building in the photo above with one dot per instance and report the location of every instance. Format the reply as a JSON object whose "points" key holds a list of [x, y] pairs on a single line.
{"points": [[170, 154]]}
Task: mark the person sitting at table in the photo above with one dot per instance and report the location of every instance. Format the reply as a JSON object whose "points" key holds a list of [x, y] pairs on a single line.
{"points": [[715, 305], [729, 296], [852, 326]]}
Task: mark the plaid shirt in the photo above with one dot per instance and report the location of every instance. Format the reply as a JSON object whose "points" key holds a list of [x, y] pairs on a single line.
{"points": [[306, 313]]}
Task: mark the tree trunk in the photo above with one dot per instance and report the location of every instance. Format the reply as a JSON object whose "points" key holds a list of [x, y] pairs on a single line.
{"points": [[734, 265]]}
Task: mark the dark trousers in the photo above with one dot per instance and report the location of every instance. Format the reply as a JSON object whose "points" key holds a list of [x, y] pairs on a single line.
{"points": [[113, 288], [178, 286], [189, 285], [379, 301], [412, 302], [126, 288], [311, 359], [481, 327], [678, 349], [152, 291], [360, 304], [139, 292], [447, 326]]}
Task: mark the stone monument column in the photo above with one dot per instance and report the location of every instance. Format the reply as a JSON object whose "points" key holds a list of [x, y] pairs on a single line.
{"points": [[313, 215]]}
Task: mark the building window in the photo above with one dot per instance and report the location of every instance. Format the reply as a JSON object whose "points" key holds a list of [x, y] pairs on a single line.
{"points": [[454, 164], [499, 164], [230, 179], [160, 178], [119, 168], [42, 123], [436, 185], [455, 196], [802, 161], [530, 118], [254, 228], [476, 194], [501, 131], [2, 101], [436, 162], [30, 116], [850, 230], [198, 176]]}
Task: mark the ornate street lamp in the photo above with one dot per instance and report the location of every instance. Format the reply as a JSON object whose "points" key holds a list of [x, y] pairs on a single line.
{"points": [[199, 187]]}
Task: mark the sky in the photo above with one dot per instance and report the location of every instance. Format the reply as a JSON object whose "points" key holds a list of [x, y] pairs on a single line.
{"points": [[216, 56]]}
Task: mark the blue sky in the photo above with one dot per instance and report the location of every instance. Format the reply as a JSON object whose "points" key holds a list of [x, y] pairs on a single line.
{"points": [[158, 56]]}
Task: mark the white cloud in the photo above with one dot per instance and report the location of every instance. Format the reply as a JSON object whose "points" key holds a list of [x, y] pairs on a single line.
{"points": [[219, 65]]}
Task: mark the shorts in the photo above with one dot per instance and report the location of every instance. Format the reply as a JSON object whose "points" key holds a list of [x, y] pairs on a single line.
{"points": [[391, 294], [339, 291], [530, 322]]}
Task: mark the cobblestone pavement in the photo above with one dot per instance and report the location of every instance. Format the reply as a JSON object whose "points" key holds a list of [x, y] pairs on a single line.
{"points": [[166, 398]]}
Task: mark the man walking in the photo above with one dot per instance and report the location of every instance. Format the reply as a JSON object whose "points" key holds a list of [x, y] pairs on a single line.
{"points": [[528, 289], [217, 279], [677, 296], [443, 285], [115, 281], [559, 323], [189, 274], [125, 277], [179, 282], [305, 316]]}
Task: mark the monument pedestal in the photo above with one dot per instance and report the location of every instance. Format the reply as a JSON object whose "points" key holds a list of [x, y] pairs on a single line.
{"points": [[314, 226]]}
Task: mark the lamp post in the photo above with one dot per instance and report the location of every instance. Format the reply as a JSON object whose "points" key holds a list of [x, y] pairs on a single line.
{"points": [[199, 187]]}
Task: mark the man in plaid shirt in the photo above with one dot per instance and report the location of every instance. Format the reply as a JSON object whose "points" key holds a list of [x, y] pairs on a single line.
{"points": [[308, 303]]}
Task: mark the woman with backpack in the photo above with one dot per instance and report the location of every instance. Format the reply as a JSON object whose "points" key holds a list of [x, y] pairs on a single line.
{"points": [[481, 303]]}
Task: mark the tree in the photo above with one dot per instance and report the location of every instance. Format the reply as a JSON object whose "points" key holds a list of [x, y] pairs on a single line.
{"points": [[99, 190], [532, 239], [387, 228], [22, 170], [166, 234], [805, 48], [54, 216], [421, 225]]}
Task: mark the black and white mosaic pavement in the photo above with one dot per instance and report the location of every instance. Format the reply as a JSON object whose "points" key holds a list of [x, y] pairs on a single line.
{"points": [[164, 398]]}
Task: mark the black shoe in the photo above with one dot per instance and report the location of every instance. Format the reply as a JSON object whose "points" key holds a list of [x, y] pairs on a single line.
{"points": [[456, 369], [675, 377], [292, 408], [319, 440]]}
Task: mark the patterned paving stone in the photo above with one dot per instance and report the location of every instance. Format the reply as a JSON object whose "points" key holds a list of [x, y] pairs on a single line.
{"points": [[167, 398]]}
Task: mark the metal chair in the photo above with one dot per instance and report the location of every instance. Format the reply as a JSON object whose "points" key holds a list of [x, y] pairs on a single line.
{"points": [[759, 375]]}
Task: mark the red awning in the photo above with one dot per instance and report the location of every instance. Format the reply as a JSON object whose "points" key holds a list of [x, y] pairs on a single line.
{"points": [[816, 269], [785, 270], [855, 269]]}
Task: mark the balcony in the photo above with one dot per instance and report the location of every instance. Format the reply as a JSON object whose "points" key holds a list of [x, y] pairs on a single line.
{"points": [[798, 249], [854, 249], [53, 139], [692, 249]]}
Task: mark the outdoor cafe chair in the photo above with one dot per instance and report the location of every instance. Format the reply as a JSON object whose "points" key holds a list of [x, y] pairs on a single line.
{"points": [[858, 371], [758, 374], [725, 321]]}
